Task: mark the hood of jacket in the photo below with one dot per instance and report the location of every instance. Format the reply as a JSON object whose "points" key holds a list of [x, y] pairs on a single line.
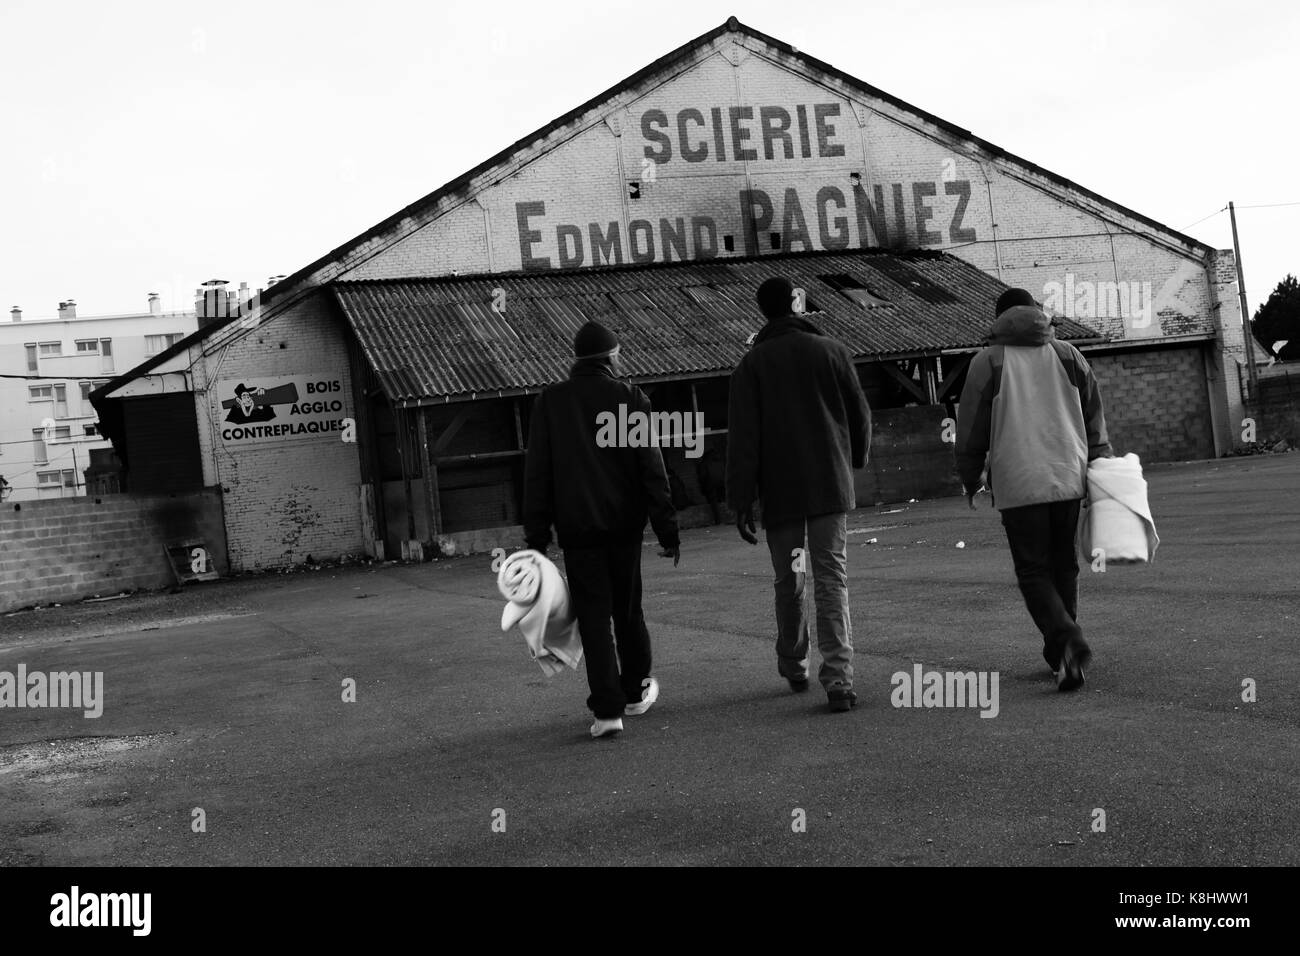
{"points": [[792, 323], [1022, 325]]}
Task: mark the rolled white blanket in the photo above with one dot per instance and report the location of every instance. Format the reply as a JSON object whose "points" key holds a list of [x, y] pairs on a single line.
{"points": [[538, 604], [1118, 520]]}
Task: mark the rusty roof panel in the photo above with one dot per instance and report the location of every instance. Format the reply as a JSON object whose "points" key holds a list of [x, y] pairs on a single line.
{"points": [[445, 338]]}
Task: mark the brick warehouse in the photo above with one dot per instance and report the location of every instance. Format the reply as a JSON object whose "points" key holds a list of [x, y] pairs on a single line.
{"points": [[655, 207]]}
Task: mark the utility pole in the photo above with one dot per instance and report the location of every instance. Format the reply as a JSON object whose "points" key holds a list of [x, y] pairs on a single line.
{"points": [[1245, 315]]}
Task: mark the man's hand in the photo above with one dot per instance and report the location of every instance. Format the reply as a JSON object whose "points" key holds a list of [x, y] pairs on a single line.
{"points": [[745, 524], [674, 553]]}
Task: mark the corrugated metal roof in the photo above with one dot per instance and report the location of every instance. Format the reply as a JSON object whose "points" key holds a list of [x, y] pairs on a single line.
{"points": [[435, 339]]}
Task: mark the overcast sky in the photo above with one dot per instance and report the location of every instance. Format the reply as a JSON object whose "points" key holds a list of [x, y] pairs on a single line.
{"points": [[148, 145]]}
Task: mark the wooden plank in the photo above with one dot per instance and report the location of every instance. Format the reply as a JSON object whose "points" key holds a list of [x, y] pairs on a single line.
{"points": [[404, 451], [432, 481], [190, 561], [430, 473], [896, 373], [449, 433], [930, 375], [954, 373], [480, 456]]}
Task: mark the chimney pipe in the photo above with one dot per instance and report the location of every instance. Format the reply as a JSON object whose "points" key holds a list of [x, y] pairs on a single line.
{"points": [[16, 314], [68, 310], [155, 303], [211, 304]]}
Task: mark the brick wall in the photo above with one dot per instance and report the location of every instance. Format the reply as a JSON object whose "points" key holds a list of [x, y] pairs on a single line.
{"points": [[1277, 410], [66, 549], [284, 500], [1157, 403]]}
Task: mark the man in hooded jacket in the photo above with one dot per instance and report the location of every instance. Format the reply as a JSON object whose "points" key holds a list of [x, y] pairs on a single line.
{"points": [[1032, 410], [599, 499]]}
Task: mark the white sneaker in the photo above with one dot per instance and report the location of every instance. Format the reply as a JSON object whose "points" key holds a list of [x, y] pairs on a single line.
{"points": [[648, 697], [604, 728]]}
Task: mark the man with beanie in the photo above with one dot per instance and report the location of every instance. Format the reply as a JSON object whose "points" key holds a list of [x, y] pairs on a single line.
{"points": [[1031, 409], [798, 425], [598, 499]]}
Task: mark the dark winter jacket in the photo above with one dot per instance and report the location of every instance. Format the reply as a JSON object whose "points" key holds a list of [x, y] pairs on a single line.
{"points": [[594, 496], [798, 424], [1032, 409]]}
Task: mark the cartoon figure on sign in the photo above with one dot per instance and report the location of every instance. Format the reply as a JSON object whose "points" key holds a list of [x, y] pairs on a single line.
{"points": [[255, 404]]}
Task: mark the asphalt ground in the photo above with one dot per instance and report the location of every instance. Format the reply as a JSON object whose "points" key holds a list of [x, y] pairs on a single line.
{"points": [[228, 698]]}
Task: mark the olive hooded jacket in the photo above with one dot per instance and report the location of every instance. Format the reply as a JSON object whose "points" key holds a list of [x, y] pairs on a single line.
{"points": [[1032, 410]]}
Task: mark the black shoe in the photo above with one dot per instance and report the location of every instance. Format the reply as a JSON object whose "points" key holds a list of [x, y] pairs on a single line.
{"points": [[1073, 660], [798, 684], [841, 700], [1053, 659]]}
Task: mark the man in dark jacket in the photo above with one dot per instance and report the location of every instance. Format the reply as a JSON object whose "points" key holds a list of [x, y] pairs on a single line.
{"points": [[599, 498], [1032, 409], [798, 425]]}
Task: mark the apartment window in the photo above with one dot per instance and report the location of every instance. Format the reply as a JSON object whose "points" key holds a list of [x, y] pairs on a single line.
{"points": [[86, 389], [62, 432], [39, 454], [60, 401], [88, 345], [106, 355], [51, 348], [40, 393], [92, 431], [31, 357], [153, 344], [46, 480]]}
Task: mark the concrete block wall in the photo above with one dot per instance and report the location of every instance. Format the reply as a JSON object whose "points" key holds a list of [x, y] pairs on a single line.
{"points": [[66, 549], [1156, 403]]}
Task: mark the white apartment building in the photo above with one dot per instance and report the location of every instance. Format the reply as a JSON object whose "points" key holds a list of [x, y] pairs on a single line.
{"points": [[48, 368]]}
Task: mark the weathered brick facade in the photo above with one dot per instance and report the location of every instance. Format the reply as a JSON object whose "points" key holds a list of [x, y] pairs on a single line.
{"points": [[737, 145]]}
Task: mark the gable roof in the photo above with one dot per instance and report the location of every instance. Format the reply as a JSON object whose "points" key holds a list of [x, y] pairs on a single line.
{"points": [[299, 284], [439, 340], [732, 25]]}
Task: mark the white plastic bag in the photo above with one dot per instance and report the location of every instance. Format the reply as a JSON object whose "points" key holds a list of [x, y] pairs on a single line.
{"points": [[1117, 526]]}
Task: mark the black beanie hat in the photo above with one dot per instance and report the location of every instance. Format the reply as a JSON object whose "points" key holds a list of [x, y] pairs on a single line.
{"points": [[1012, 298], [594, 341], [776, 298]]}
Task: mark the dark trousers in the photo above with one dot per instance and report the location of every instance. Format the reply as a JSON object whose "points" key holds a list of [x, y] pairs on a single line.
{"points": [[605, 585], [1047, 569]]}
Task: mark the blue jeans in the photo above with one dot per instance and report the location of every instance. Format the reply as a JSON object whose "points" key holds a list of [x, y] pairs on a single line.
{"points": [[823, 540]]}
